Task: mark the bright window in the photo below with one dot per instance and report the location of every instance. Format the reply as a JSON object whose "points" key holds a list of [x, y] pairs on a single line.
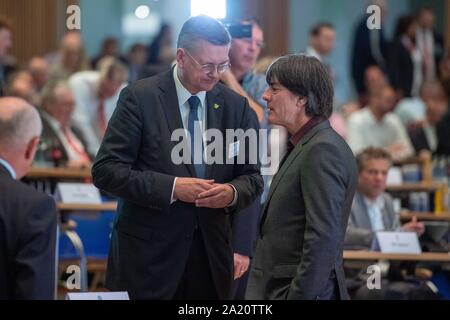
{"points": [[213, 8]]}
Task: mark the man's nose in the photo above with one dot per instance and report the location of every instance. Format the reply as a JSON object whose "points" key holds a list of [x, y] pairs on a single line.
{"points": [[215, 73]]}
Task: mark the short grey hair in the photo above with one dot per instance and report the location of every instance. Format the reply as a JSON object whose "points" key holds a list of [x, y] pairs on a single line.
{"points": [[49, 91], [19, 122], [202, 28]]}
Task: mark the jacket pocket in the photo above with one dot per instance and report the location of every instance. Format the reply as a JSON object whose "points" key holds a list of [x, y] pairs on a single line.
{"points": [[134, 229], [284, 271]]}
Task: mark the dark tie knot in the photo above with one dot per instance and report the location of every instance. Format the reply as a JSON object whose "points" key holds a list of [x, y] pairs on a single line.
{"points": [[194, 102]]}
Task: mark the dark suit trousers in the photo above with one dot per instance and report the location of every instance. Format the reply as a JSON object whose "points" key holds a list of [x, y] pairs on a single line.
{"points": [[196, 282]]}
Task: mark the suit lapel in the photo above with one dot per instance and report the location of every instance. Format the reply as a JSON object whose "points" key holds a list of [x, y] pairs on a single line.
{"points": [[294, 154], [169, 102], [362, 220], [214, 111], [387, 217]]}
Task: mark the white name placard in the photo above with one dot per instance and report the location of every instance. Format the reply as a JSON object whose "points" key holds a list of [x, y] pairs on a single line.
{"points": [[120, 295], [394, 176], [399, 242], [83, 193]]}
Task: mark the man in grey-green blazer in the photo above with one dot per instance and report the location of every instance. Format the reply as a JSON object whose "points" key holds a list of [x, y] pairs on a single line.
{"points": [[299, 251]]}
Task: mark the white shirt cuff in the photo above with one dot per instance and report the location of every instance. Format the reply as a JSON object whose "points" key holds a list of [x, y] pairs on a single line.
{"points": [[172, 197], [233, 203]]}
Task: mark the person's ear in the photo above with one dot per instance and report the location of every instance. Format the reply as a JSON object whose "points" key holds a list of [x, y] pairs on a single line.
{"points": [[180, 57], [301, 102], [31, 148]]}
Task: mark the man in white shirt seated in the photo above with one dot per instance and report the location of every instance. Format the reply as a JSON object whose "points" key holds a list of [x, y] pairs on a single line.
{"points": [[372, 208], [376, 126], [96, 95], [61, 145]]}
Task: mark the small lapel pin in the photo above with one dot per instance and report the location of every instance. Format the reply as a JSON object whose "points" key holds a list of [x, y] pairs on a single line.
{"points": [[216, 106]]}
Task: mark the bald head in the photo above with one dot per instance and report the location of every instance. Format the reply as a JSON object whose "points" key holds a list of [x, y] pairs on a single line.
{"points": [[19, 123]]}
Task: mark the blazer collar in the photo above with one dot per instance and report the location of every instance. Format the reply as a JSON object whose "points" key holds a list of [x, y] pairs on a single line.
{"points": [[6, 171], [287, 163], [362, 217]]}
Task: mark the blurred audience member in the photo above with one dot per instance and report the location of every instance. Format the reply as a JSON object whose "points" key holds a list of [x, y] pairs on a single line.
{"points": [[27, 217], [373, 208], [377, 126], [161, 50], [70, 38], [406, 60], [412, 111], [430, 43], [70, 59], [20, 85], [5, 45], [110, 48], [322, 38], [424, 137], [374, 81], [137, 58], [96, 94], [243, 55], [373, 211], [62, 145], [39, 70], [370, 47]]}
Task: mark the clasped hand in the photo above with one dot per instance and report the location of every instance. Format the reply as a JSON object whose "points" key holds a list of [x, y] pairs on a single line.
{"points": [[204, 193]]}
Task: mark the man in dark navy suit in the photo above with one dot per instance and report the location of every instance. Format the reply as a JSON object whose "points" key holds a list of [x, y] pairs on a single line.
{"points": [[172, 236], [27, 217]]}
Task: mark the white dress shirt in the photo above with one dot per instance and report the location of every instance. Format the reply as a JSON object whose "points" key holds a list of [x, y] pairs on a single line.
{"points": [[84, 86], [374, 209], [364, 131], [310, 51], [410, 110]]}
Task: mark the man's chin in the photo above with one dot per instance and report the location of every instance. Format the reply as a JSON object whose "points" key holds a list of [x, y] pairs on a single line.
{"points": [[208, 86]]}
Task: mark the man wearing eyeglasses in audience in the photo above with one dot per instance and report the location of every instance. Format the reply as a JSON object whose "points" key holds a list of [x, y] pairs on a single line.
{"points": [[172, 236], [244, 52]]}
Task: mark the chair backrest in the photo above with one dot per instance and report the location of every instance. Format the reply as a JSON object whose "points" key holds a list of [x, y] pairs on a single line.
{"points": [[94, 230]]}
